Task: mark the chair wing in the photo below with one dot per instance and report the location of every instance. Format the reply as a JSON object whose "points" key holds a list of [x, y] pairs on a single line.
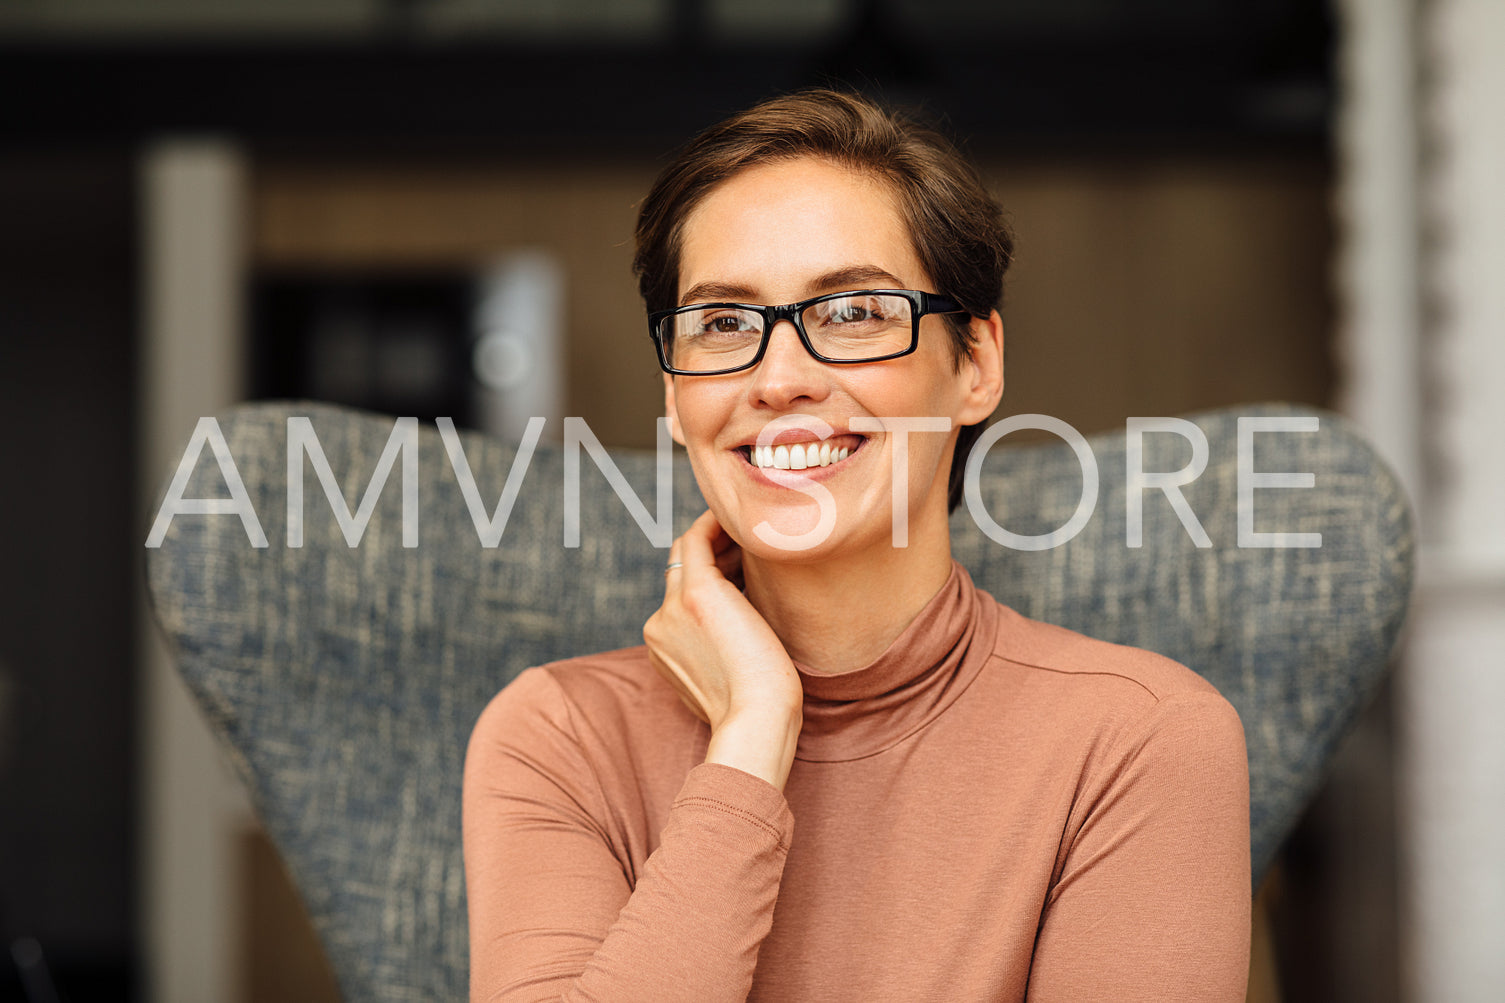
{"points": [[1297, 638], [344, 680]]}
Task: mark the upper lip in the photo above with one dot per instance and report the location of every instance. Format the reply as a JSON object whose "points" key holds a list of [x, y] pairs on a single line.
{"points": [[790, 436]]}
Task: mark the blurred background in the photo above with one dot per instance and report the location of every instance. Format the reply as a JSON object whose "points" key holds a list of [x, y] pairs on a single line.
{"points": [[425, 207]]}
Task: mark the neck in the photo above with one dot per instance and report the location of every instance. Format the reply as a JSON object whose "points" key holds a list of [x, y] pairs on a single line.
{"points": [[839, 615]]}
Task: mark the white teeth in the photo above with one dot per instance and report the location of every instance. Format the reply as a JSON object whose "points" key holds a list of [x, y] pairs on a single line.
{"points": [[797, 456]]}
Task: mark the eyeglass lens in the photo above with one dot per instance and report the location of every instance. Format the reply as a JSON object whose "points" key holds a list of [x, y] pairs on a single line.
{"points": [[846, 328]]}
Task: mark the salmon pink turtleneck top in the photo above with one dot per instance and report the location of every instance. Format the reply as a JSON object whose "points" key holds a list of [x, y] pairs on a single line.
{"points": [[994, 809]]}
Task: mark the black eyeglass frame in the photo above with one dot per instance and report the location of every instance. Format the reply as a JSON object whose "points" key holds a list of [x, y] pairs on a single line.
{"points": [[921, 304]]}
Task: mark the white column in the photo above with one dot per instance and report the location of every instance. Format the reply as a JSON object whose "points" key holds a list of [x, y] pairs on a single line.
{"points": [[1421, 279], [192, 198], [1376, 204], [1453, 784]]}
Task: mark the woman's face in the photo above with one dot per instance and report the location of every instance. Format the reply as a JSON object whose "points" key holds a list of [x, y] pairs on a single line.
{"points": [[784, 232]]}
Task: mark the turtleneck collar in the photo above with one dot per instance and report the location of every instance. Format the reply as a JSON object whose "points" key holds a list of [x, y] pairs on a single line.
{"points": [[929, 665]]}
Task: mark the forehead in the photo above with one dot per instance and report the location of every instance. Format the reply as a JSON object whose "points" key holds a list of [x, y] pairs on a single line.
{"points": [[776, 229]]}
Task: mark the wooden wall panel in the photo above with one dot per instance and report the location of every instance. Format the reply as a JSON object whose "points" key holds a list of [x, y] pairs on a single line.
{"points": [[1141, 286], [1152, 288]]}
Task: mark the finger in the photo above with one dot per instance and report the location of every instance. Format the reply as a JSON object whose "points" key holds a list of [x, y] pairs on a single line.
{"points": [[727, 551], [673, 566], [696, 547], [706, 527], [715, 532], [729, 563]]}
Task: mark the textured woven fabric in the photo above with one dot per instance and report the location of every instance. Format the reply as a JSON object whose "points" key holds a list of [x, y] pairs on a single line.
{"points": [[345, 681]]}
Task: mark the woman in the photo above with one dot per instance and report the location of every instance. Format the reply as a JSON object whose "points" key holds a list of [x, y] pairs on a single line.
{"points": [[837, 770]]}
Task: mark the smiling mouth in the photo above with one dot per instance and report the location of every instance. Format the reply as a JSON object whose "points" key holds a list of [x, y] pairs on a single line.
{"points": [[796, 456]]}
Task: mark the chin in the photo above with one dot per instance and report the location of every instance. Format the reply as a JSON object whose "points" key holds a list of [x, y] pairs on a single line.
{"points": [[794, 535], [790, 533]]}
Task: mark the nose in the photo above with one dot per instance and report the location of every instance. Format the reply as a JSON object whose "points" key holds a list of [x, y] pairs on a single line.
{"points": [[787, 373]]}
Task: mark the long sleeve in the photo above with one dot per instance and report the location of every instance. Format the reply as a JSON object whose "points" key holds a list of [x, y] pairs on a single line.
{"points": [[1152, 901], [554, 911]]}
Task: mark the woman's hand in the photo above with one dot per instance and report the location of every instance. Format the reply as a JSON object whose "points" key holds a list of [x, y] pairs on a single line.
{"points": [[723, 659]]}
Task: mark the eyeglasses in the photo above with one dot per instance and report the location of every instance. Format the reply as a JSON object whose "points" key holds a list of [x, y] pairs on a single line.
{"points": [[712, 339]]}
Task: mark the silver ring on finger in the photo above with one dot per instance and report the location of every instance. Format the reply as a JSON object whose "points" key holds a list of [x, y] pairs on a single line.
{"points": [[672, 565]]}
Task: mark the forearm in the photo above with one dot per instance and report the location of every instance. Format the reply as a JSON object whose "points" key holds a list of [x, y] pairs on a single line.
{"points": [[704, 902], [760, 741], [558, 912]]}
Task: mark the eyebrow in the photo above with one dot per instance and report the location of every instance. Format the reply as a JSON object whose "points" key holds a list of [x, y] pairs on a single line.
{"points": [[715, 292], [851, 277]]}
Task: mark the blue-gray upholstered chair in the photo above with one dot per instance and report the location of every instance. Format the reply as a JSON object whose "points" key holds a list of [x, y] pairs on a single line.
{"points": [[344, 681]]}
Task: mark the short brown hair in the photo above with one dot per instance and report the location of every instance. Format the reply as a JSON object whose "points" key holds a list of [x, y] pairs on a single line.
{"points": [[958, 230]]}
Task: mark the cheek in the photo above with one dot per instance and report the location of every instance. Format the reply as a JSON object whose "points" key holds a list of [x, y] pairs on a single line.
{"points": [[702, 411], [929, 453], [923, 394]]}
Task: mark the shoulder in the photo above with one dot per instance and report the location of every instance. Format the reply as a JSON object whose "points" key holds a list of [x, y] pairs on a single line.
{"points": [[1111, 691], [1076, 659], [1133, 735], [1067, 662], [609, 715], [603, 686]]}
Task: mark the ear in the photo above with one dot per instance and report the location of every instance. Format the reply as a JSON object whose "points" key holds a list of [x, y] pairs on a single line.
{"points": [[983, 371], [671, 410]]}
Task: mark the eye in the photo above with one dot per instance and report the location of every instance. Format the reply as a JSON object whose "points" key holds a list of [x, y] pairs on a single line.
{"points": [[717, 328], [855, 313], [851, 312], [729, 322]]}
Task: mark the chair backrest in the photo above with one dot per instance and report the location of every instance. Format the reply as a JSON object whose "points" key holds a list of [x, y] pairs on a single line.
{"points": [[345, 680]]}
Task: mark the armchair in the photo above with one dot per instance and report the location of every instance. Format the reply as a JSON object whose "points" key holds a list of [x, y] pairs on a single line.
{"points": [[344, 681]]}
